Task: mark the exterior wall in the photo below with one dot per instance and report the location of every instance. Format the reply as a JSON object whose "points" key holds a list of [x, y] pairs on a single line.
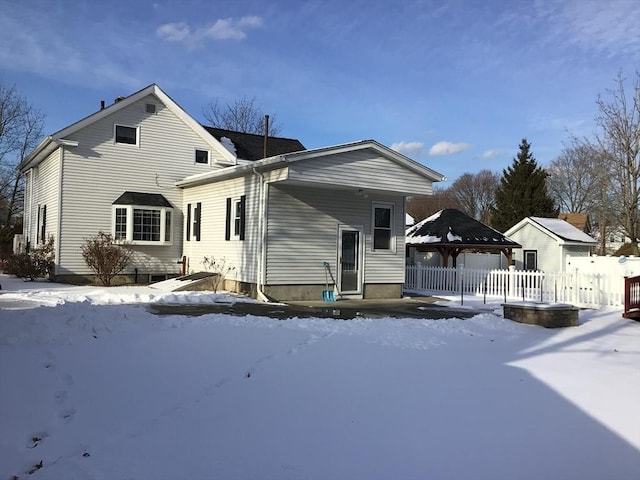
{"points": [[41, 188], [302, 233], [239, 254], [98, 171], [550, 258], [365, 169]]}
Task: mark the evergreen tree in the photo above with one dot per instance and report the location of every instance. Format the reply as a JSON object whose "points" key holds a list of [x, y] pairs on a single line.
{"points": [[522, 192]]}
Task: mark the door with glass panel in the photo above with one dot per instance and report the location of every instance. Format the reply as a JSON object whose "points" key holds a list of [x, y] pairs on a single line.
{"points": [[350, 260]]}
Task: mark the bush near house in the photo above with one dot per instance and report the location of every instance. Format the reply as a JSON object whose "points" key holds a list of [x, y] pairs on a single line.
{"points": [[38, 263], [106, 257]]}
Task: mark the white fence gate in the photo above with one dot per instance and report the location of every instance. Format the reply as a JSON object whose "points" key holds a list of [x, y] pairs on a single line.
{"points": [[586, 290]]}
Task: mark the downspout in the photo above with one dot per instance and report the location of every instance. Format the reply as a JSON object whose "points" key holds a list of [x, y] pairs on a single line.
{"points": [[59, 223], [263, 238]]}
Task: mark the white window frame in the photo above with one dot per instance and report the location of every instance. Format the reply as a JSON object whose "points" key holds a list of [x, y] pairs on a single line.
{"points": [[115, 137], [128, 237], [195, 155], [236, 217], [392, 236]]}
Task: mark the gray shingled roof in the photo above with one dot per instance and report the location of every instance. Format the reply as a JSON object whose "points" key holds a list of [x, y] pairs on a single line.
{"points": [[250, 146]]}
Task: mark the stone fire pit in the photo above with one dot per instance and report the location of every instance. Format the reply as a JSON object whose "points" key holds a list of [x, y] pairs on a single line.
{"points": [[547, 315]]}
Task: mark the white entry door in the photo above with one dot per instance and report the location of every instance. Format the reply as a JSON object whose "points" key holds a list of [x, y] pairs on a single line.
{"points": [[350, 260]]}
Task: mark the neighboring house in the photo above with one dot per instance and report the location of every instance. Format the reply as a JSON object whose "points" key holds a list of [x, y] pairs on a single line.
{"points": [[450, 232], [546, 242], [579, 220], [147, 172]]}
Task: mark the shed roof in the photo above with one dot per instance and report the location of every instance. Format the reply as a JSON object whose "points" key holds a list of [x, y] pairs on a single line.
{"points": [[563, 230], [452, 227]]}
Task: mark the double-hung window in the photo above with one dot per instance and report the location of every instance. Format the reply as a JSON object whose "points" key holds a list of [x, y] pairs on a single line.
{"points": [[236, 218], [42, 224], [383, 239], [194, 221], [142, 219]]}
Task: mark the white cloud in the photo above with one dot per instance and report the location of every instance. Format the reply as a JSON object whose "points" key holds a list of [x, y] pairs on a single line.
{"points": [[221, 29], [448, 148], [173, 32], [410, 149], [491, 153]]}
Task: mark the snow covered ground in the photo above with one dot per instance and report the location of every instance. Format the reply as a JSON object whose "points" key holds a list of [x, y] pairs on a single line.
{"points": [[94, 386]]}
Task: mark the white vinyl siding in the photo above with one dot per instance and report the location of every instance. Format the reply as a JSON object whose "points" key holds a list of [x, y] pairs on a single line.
{"points": [[302, 233], [243, 255], [549, 251], [98, 171], [41, 189], [365, 169]]}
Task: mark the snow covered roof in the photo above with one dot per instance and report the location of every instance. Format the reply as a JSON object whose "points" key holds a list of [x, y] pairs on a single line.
{"points": [[562, 229], [452, 227]]}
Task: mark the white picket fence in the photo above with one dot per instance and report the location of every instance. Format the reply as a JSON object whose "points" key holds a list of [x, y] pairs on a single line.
{"points": [[585, 290]]}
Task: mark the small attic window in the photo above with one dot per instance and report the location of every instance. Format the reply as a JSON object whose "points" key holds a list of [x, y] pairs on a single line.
{"points": [[202, 156], [125, 134], [150, 108]]}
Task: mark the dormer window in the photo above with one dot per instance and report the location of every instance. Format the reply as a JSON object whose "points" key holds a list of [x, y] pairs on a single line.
{"points": [[125, 134], [202, 156]]}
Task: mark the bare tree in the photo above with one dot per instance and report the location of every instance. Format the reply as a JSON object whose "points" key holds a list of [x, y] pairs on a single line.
{"points": [[475, 193], [243, 115], [20, 129], [580, 182], [424, 206], [618, 138]]}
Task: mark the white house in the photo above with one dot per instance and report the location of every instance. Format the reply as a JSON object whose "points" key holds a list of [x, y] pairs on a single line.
{"points": [[546, 243], [146, 171]]}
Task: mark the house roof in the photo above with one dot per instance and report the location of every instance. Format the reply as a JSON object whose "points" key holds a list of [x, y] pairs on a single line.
{"points": [[452, 227], [578, 220], [143, 199], [560, 229], [249, 146], [51, 142], [282, 160]]}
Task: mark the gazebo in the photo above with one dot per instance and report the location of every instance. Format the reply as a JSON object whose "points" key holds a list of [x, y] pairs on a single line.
{"points": [[450, 232]]}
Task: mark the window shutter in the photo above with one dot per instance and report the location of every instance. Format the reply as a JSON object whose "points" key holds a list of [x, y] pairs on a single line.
{"points": [[44, 223], [188, 221], [227, 228], [243, 204], [196, 224]]}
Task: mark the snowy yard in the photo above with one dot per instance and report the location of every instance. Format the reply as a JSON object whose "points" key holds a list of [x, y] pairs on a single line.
{"points": [[94, 386]]}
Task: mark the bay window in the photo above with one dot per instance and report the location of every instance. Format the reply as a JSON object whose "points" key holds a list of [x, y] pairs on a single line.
{"points": [[142, 219]]}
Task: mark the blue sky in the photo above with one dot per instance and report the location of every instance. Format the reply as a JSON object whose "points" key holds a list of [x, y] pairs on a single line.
{"points": [[454, 85]]}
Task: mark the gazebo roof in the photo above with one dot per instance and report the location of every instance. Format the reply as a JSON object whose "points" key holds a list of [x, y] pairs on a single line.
{"points": [[450, 227]]}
